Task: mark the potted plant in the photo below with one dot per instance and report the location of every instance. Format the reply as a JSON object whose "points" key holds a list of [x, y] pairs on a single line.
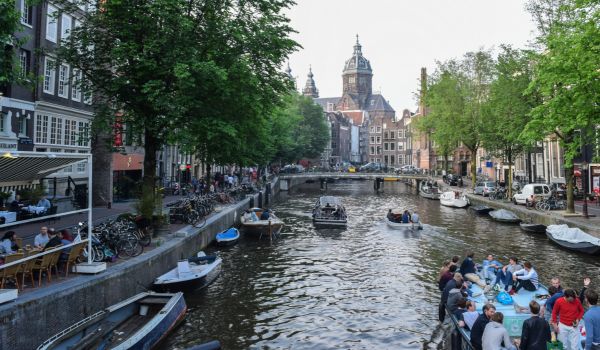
{"points": [[4, 196]]}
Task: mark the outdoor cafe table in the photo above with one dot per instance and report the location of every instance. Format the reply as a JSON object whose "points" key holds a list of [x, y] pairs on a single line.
{"points": [[9, 216], [35, 210]]}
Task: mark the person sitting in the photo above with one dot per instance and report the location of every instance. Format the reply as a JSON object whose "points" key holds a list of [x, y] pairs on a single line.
{"points": [[456, 282], [490, 268], [454, 296], [8, 245], [479, 325], [536, 331], [44, 202], [42, 238], [446, 276], [390, 216], [469, 317], [526, 278], [555, 281], [495, 336], [406, 217], [467, 268], [505, 274], [414, 218], [66, 236], [54, 241], [461, 308], [16, 205], [265, 215]]}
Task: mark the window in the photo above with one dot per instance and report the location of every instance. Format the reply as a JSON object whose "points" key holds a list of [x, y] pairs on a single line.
{"points": [[81, 166], [69, 169], [400, 159], [67, 132], [372, 102], [372, 150], [372, 129], [385, 146], [392, 135], [372, 139], [385, 135], [392, 158], [400, 146], [84, 134], [26, 14], [378, 149], [24, 59], [51, 25], [351, 80], [63, 81], [23, 126], [73, 132], [41, 129], [329, 107], [392, 146], [87, 96], [65, 29], [385, 159], [76, 90], [2, 117], [379, 139], [49, 76], [379, 129], [53, 130]]}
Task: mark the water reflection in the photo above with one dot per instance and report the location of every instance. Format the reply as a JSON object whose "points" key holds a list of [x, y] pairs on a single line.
{"points": [[365, 287]]}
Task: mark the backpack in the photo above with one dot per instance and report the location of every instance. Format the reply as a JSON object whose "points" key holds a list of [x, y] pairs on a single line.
{"points": [[504, 298]]}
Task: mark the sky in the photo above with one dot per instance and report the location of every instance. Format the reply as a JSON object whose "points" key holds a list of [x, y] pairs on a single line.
{"points": [[398, 37]]}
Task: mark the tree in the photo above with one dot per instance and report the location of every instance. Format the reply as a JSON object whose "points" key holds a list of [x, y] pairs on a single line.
{"points": [[176, 66], [457, 99], [566, 77], [509, 107], [9, 25]]}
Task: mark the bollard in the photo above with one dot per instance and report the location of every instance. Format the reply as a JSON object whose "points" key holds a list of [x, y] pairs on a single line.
{"points": [[260, 199], [267, 193]]}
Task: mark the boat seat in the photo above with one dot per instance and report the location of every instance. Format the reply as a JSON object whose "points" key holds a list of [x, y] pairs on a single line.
{"points": [[154, 301]]}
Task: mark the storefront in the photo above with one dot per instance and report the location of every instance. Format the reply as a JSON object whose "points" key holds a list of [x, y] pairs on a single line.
{"points": [[127, 175], [594, 174]]}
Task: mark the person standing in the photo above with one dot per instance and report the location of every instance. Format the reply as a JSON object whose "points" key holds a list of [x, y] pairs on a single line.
{"points": [[569, 310], [495, 335], [591, 320], [536, 331], [479, 326]]}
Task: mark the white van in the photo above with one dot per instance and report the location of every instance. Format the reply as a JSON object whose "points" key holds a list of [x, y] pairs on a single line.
{"points": [[537, 190]]}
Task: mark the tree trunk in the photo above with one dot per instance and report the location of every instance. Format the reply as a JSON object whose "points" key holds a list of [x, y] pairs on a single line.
{"points": [[208, 182], [473, 167], [570, 197], [148, 197], [102, 175], [510, 174]]}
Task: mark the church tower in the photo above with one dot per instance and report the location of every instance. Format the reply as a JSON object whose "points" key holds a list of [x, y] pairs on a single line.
{"points": [[357, 79], [310, 89]]}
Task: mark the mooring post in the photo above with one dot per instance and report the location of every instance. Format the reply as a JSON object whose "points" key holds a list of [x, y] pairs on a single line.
{"points": [[270, 232]]}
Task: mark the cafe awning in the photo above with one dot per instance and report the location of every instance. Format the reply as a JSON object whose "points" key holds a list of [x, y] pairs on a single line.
{"points": [[31, 166]]}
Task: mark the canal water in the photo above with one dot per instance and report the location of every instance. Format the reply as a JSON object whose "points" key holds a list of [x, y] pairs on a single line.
{"points": [[365, 287]]}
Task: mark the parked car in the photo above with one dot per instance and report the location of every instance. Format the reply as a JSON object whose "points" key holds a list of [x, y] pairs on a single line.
{"points": [[292, 169], [484, 188], [536, 190], [372, 167], [451, 179], [407, 169]]}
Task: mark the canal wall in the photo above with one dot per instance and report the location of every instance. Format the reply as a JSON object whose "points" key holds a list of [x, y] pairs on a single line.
{"points": [[536, 216], [39, 314]]}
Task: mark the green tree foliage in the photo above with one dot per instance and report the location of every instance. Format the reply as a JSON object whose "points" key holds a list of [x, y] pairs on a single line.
{"points": [[509, 107], [567, 78], [9, 25], [457, 98], [202, 73]]}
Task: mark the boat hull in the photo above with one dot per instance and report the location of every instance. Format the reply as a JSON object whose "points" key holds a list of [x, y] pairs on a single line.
{"points": [[258, 228], [434, 196], [401, 226], [582, 247], [189, 284], [455, 203], [533, 228], [481, 209], [227, 238], [330, 223]]}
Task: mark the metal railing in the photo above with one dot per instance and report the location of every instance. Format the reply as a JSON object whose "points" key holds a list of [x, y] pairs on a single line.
{"points": [[40, 254], [43, 218]]}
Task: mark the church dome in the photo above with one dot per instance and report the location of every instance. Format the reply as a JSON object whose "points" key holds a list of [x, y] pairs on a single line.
{"points": [[357, 63]]}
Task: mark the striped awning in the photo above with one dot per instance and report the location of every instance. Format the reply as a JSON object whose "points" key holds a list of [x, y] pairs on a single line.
{"points": [[31, 166]]}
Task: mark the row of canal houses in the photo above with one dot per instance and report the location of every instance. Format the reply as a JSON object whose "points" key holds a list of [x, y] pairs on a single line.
{"points": [[365, 128]]}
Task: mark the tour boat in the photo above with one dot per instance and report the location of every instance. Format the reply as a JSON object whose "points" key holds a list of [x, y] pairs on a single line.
{"points": [[330, 212], [533, 228], [252, 224], [454, 199], [228, 237], [191, 274], [429, 189], [139, 322], [573, 238], [503, 215], [481, 209]]}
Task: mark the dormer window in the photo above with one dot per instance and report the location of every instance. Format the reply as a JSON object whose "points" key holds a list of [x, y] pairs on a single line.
{"points": [[329, 107], [372, 102]]}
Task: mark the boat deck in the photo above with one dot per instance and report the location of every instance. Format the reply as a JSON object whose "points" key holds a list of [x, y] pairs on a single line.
{"points": [[129, 327]]}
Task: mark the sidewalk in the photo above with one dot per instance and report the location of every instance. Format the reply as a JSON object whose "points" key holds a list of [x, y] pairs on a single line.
{"points": [[99, 214]]}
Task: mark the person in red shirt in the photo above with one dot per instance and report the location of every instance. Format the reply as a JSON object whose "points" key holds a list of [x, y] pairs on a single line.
{"points": [[569, 310]]}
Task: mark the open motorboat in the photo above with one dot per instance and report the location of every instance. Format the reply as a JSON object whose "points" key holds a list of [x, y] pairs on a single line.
{"points": [[252, 223], [573, 238], [454, 199], [329, 211], [533, 228], [429, 189], [394, 221], [481, 209], [191, 274], [139, 322], [503, 215], [228, 237]]}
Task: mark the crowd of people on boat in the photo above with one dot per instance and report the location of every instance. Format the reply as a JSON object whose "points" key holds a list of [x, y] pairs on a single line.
{"points": [[404, 217], [563, 314]]}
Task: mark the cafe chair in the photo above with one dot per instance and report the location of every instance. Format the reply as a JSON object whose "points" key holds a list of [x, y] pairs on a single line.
{"points": [[74, 254], [27, 271], [11, 271]]}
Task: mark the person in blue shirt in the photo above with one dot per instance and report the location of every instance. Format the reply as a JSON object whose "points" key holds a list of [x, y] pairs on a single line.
{"points": [[44, 202], [265, 215], [406, 217], [555, 294], [491, 268], [591, 318], [8, 244]]}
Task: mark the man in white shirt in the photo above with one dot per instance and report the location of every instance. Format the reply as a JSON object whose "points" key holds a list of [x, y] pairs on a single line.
{"points": [[42, 238], [414, 218]]}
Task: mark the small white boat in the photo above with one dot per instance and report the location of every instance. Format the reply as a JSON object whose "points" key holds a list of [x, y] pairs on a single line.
{"points": [[429, 189], [573, 238], [252, 224], [329, 211], [195, 273], [454, 199], [227, 237], [401, 226], [503, 215]]}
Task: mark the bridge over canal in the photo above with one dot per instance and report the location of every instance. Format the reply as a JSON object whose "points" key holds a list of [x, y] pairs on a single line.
{"points": [[287, 181]]}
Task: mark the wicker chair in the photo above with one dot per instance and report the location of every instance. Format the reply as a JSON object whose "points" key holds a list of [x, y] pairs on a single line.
{"points": [[11, 271], [44, 264], [75, 252], [55, 258], [27, 270]]}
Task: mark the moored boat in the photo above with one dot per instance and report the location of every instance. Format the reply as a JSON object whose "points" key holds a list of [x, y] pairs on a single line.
{"points": [[195, 273], [503, 215], [139, 322], [454, 199], [429, 189], [481, 209], [228, 237], [573, 238], [533, 228], [252, 224], [329, 211]]}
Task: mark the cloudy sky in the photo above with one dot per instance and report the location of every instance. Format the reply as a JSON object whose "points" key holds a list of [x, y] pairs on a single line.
{"points": [[398, 38]]}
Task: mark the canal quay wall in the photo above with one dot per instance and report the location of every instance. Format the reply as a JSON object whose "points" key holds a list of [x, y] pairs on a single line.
{"points": [[37, 315], [540, 217]]}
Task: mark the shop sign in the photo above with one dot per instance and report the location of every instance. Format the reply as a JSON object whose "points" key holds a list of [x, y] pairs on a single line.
{"points": [[8, 146]]}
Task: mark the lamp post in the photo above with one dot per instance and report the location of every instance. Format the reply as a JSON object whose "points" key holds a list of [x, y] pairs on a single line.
{"points": [[584, 165]]}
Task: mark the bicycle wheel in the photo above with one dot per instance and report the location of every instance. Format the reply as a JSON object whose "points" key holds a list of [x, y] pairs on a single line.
{"points": [[98, 253], [126, 247], [144, 238], [192, 217]]}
